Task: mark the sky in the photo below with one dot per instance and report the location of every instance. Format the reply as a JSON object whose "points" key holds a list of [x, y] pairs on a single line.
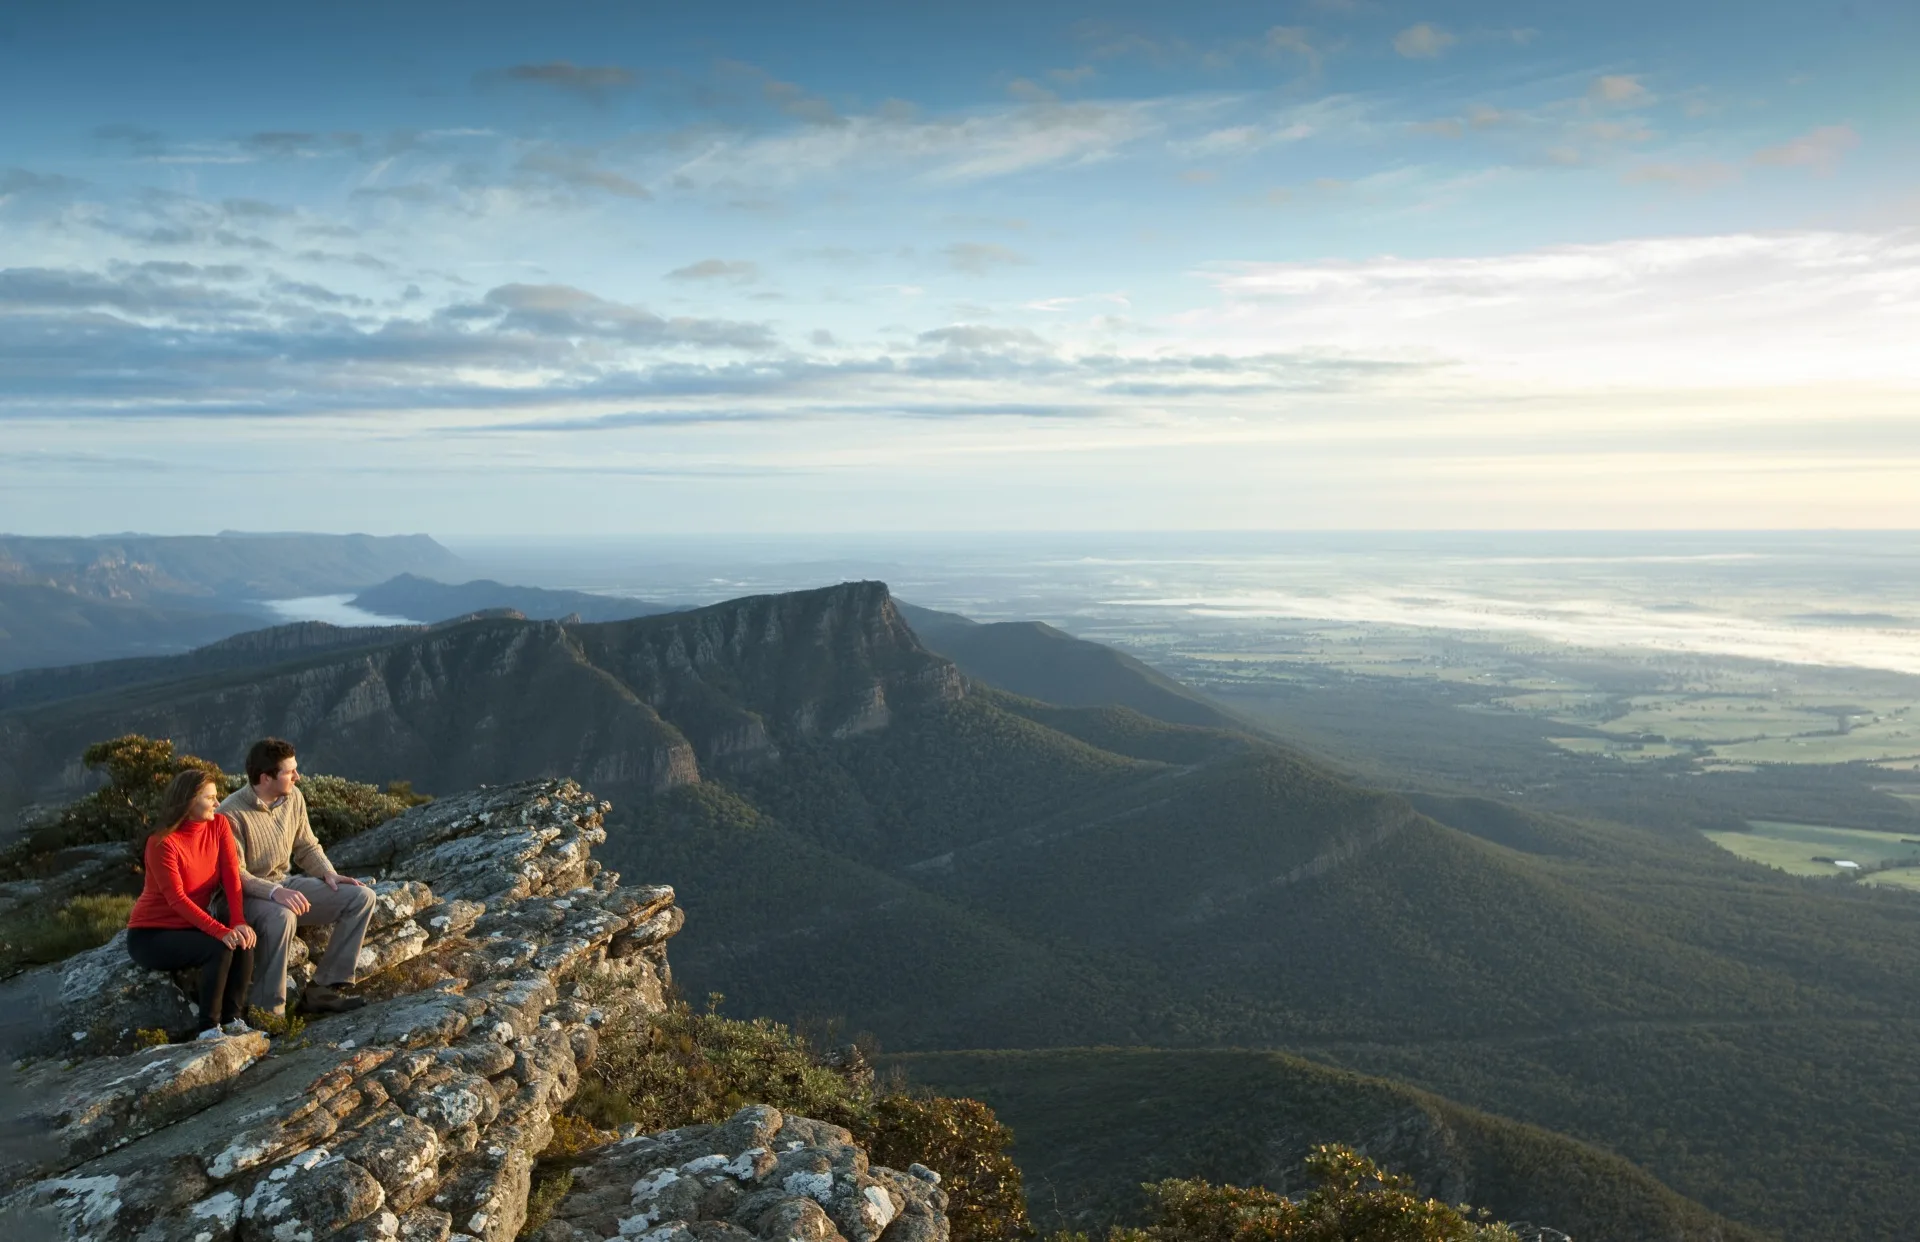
{"points": [[649, 269]]}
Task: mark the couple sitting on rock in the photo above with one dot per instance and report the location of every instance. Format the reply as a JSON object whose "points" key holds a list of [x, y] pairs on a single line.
{"points": [[206, 861]]}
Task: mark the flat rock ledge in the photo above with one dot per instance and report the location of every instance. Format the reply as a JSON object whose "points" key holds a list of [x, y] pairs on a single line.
{"points": [[417, 1118]]}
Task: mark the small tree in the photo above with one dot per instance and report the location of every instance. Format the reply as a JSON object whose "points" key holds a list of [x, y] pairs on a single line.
{"points": [[963, 1141], [1355, 1201]]}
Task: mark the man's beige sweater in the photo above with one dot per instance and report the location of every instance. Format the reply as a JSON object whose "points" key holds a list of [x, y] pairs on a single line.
{"points": [[271, 837]]}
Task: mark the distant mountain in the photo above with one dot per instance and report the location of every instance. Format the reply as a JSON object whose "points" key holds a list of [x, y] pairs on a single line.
{"points": [[66, 601], [1033, 659], [423, 599], [47, 625], [231, 566], [1091, 1124]]}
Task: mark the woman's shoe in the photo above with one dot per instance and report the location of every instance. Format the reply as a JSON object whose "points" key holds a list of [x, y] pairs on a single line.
{"points": [[236, 1027], [210, 1034]]}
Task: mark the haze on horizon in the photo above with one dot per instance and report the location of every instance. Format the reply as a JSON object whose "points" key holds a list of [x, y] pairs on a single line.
{"points": [[761, 268]]}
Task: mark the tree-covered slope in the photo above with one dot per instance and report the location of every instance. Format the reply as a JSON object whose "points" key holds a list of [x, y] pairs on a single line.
{"points": [[1033, 659]]}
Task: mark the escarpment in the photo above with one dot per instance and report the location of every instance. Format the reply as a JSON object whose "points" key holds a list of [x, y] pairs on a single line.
{"points": [[419, 1117], [634, 706]]}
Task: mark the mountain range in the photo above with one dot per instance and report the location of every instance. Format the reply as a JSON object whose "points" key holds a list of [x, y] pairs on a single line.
{"points": [[64, 600], [860, 829]]}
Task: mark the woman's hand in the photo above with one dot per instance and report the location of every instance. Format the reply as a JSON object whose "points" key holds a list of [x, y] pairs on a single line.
{"points": [[241, 937]]}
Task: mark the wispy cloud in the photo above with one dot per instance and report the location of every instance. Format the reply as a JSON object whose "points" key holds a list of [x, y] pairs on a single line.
{"points": [[593, 83], [1820, 149], [1423, 41], [979, 258], [738, 271], [1779, 308]]}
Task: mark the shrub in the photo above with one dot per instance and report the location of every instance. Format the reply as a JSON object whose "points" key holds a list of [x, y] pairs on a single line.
{"points": [[339, 808], [966, 1145], [1355, 1201], [150, 1037], [30, 936], [685, 1067]]}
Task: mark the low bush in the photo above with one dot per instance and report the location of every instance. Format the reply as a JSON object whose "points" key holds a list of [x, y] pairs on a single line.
{"points": [[685, 1067], [1355, 1201], [32, 936], [339, 808]]}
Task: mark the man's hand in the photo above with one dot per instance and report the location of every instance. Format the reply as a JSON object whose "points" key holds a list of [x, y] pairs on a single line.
{"points": [[293, 899], [241, 937], [334, 880]]}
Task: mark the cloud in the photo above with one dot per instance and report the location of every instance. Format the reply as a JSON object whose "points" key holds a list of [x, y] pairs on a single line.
{"points": [[738, 271], [291, 144], [134, 139], [142, 290], [254, 209], [1620, 90], [17, 181], [979, 258], [1423, 41], [788, 98], [975, 338], [1747, 310], [578, 170], [564, 311], [1819, 149], [1702, 175], [593, 83]]}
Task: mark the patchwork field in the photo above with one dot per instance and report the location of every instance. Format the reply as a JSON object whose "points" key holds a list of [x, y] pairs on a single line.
{"points": [[1797, 849], [1634, 706]]}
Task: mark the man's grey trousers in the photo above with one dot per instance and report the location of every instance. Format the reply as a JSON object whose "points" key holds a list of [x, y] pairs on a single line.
{"points": [[347, 908]]}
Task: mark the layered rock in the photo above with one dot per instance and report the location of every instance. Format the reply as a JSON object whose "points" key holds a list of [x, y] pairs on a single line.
{"points": [[418, 1116]]}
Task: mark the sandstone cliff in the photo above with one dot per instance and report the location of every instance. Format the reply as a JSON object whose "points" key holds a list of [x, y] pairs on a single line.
{"points": [[418, 1118]]}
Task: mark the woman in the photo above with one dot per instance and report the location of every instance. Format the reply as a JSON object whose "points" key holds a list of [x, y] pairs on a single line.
{"points": [[190, 857]]}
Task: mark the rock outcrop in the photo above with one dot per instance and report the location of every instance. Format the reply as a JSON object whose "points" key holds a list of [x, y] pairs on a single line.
{"points": [[760, 1175], [417, 1117]]}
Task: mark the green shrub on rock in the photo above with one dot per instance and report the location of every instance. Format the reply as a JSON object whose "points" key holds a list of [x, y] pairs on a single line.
{"points": [[686, 1067], [339, 808], [1355, 1201]]}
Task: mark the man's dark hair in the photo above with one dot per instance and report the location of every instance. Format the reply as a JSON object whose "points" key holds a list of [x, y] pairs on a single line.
{"points": [[266, 756]]}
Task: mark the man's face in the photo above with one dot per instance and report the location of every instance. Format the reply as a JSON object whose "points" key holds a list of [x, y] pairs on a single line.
{"points": [[280, 783]]}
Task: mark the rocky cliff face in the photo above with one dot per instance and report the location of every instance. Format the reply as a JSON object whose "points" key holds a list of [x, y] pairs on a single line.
{"points": [[418, 1117], [633, 705]]}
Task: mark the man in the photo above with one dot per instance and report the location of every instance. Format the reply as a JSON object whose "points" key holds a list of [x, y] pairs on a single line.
{"points": [[269, 818]]}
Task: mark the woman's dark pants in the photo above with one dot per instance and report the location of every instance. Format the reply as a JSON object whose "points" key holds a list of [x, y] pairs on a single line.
{"points": [[225, 974]]}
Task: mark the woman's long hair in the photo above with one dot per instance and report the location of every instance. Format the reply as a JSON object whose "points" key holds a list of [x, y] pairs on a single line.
{"points": [[178, 798]]}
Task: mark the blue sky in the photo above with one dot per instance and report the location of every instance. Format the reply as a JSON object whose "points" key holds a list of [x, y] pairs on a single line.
{"points": [[624, 268]]}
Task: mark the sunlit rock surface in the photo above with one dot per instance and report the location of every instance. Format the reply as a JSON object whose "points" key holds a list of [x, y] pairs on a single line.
{"points": [[417, 1117]]}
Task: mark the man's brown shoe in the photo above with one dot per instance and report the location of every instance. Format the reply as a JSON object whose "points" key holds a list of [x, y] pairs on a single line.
{"points": [[319, 998]]}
